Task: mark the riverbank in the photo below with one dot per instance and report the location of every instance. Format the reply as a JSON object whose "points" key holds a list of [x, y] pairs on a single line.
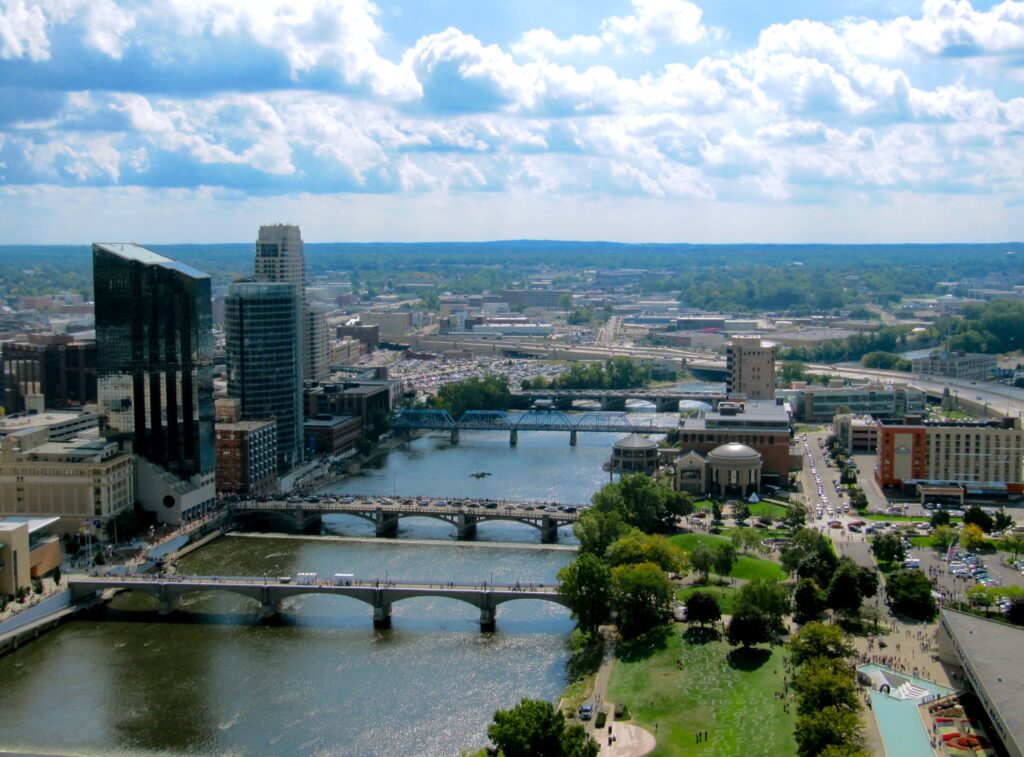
{"points": [[408, 542]]}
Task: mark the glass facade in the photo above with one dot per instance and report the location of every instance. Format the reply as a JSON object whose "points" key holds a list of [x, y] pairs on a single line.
{"points": [[264, 368], [154, 339]]}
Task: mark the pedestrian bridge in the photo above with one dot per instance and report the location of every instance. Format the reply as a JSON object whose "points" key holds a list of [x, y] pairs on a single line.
{"points": [[664, 400], [533, 420], [272, 593], [302, 516]]}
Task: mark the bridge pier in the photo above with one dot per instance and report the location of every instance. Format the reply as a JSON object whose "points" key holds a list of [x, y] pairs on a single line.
{"points": [[386, 524], [548, 530], [466, 525], [269, 607], [381, 615], [513, 437], [666, 405], [488, 612], [572, 438], [613, 403], [168, 603], [455, 436]]}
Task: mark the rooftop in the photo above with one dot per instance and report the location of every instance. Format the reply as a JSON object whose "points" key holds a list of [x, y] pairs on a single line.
{"points": [[140, 254], [34, 524], [993, 651]]}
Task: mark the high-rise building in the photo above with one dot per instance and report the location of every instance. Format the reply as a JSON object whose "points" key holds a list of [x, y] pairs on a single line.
{"points": [[317, 352], [53, 367], [264, 372], [280, 257], [154, 364], [750, 366]]}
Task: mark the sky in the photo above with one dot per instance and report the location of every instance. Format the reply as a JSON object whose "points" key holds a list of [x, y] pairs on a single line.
{"points": [[429, 120]]}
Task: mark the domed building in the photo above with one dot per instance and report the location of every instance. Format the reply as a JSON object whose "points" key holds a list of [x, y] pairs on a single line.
{"points": [[634, 454], [729, 469]]}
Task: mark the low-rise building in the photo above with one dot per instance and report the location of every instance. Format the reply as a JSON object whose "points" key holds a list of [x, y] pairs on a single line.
{"points": [[729, 469], [60, 425], [246, 457], [331, 434], [763, 425], [820, 403], [56, 367], [27, 550], [71, 480], [858, 433], [961, 365]]}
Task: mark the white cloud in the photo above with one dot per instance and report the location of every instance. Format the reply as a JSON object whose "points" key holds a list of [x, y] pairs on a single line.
{"points": [[656, 22], [542, 43], [23, 31]]}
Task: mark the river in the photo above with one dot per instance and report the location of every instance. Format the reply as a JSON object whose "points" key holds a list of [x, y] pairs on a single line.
{"points": [[212, 679]]}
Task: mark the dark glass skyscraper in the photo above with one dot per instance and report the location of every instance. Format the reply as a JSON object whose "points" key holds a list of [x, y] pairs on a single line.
{"points": [[264, 371], [154, 358]]}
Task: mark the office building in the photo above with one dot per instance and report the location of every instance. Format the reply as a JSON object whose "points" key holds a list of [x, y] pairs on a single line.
{"points": [[53, 368], [280, 258], [548, 299], [264, 372], [74, 480], [317, 352], [750, 368], [367, 334], [888, 401], [979, 456], [60, 425], [331, 434], [247, 458], [154, 364], [961, 365]]}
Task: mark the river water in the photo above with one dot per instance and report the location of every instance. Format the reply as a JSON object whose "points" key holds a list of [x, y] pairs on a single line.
{"points": [[213, 679]]}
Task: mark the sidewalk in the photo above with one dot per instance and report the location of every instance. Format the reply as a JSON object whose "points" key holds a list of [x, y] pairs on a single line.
{"points": [[616, 739]]}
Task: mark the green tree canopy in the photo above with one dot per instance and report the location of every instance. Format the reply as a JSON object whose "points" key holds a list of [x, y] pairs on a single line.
{"points": [[828, 728], [639, 500], [703, 608], [769, 596], [587, 584], [974, 515], [888, 548], [597, 530], [637, 547], [808, 600], [702, 560], [810, 555], [825, 682], [644, 595], [748, 626], [818, 639], [910, 594], [725, 558], [534, 728]]}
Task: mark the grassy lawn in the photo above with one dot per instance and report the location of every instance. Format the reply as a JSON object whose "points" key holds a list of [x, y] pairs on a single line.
{"points": [[730, 697], [768, 510], [725, 595], [746, 567]]}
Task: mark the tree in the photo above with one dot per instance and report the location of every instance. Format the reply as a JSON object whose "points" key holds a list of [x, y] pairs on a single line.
{"points": [[867, 581], [981, 596], [818, 639], [943, 536], [809, 554], [725, 558], [597, 530], [808, 600], [796, 517], [767, 595], [1002, 520], [702, 559], [703, 608], [910, 593], [716, 512], [940, 518], [976, 516], [972, 536], [844, 595], [741, 510], [636, 547], [586, 583], [831, 727], [888, 549], [639, 500], [1016, 612], [644, 597], [748, 626], [533, 728], [825, 682], [1014, 542]]}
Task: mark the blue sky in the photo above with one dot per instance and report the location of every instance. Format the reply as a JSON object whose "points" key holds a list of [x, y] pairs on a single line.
{"points": [[629, 120]]}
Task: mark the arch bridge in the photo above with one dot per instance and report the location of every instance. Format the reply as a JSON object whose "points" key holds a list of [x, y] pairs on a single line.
{"points": [[532, 420], [302, 516], [271, 593]]}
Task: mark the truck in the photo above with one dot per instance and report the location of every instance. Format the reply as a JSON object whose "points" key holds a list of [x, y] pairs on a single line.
{"points": [[306, 579], [344, 579]]}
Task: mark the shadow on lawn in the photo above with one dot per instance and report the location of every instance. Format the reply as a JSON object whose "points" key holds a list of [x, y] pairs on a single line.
{"points": [[748, 659], [700, 635], [643, 646]]}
